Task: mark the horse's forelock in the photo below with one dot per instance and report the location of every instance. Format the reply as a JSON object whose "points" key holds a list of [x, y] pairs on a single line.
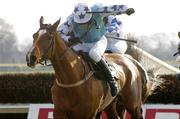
{"points": [[41, 32]]}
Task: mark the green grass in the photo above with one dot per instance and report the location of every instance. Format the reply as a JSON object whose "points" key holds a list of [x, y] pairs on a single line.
{"points": [[23, 68]]}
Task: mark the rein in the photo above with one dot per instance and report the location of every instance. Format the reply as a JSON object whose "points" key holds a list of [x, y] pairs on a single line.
{"points": [[51, 46], [86, 75], [77, 83]]}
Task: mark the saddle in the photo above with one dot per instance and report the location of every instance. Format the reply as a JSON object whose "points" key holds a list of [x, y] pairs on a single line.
{"points": [[97, 71]]}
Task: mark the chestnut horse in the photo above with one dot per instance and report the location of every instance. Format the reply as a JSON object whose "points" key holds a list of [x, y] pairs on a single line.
{"points": [[77, 93]]}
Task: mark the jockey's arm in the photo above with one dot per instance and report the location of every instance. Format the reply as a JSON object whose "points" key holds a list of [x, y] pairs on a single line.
{"points": [[112, 10], [66, 31], [114, 20]]}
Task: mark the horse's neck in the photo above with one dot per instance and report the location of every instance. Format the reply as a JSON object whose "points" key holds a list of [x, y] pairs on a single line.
{"points": [[68, 67]]}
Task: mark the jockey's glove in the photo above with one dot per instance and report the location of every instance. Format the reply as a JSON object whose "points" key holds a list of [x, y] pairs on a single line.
{"points": [[130, 11], [74, 40]]}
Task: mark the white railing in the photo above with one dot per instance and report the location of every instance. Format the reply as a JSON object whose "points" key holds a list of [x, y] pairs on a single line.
{"points": [[149, 61]]}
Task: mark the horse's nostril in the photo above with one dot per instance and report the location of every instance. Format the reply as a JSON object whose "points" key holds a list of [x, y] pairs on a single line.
{"points": [[31, 60]]}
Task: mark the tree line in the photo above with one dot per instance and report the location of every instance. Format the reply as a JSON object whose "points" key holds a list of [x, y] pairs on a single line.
{"points": [[161, 45], [9, 51]]}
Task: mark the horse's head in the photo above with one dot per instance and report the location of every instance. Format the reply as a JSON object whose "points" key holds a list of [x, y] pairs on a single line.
{"points": [[43, 43]]}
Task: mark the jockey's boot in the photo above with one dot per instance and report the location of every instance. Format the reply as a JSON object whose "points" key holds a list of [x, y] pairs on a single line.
{"points": [[110, 79]]}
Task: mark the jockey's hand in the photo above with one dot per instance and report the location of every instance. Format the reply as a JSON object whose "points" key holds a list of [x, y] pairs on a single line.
{"points": [[130, 11], [74, 40]]}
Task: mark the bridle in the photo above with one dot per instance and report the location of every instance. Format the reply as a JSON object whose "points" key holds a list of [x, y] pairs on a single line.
{"points": [[50, 48], [86, 74]]}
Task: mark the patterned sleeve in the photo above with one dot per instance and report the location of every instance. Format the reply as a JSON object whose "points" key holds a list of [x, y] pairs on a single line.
{"points": [[112, 8], [65, 29], [113, 27], [114, 20]]}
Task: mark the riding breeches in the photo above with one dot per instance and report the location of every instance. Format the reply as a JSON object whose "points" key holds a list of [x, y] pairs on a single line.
{"points": [[95, 50], [116, 46]]}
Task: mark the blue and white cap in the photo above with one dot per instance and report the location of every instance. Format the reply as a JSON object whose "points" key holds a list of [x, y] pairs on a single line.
{"points": [[80, 13]]}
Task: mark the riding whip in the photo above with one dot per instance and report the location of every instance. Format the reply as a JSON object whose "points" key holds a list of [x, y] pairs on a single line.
{"points": [[176, 53], [134, 41]]}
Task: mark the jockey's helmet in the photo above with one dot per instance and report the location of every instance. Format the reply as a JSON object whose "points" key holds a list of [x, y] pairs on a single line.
{"points": [[80, 13]]}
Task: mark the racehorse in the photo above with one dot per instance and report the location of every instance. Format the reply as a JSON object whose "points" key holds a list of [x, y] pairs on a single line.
{"points": [[77, 92]]}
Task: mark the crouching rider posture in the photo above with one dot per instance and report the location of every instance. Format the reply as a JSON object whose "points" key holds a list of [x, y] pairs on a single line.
{"points": [[86, 26]]}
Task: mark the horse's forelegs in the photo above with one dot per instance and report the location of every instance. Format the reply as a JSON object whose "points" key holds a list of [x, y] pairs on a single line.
{"points": [[98, 115], [121, 112], [111, 112], [136, 113], [59, 115]]}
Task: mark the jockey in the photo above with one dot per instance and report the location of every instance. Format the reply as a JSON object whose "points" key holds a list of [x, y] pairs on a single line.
{"points": [[113, 30], [86, 25]]}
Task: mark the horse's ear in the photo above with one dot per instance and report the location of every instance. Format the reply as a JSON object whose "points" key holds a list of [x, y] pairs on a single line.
{"points": [[41, 21], [55, 25]]}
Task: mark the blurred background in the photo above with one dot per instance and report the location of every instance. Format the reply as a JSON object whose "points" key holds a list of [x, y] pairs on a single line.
{"points": [[154, 24]]}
